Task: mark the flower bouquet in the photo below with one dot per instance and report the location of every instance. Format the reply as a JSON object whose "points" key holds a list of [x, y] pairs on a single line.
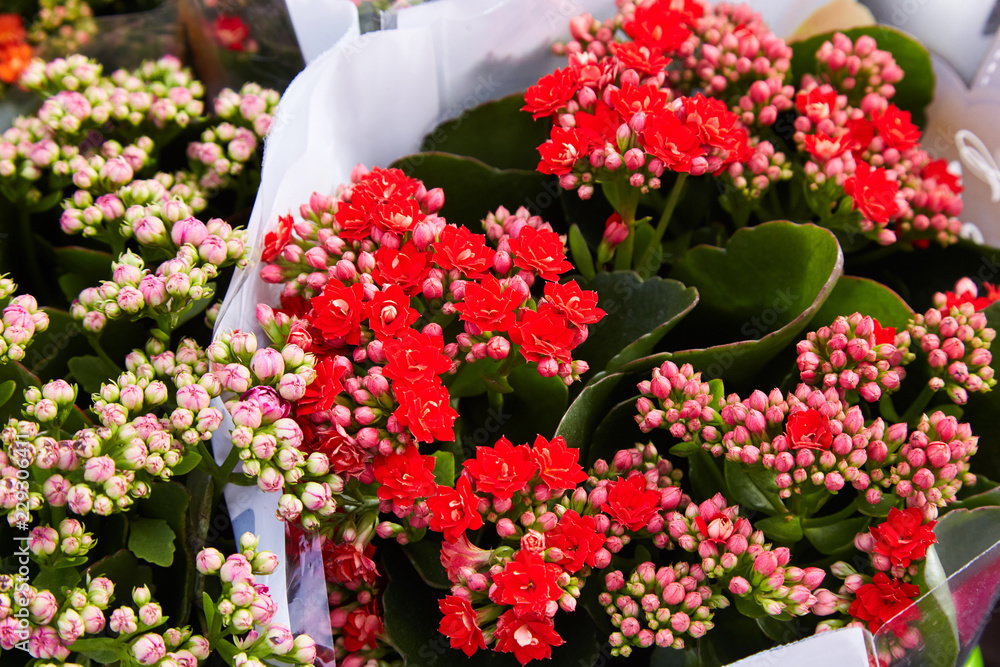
{"points": [[643, 360]]}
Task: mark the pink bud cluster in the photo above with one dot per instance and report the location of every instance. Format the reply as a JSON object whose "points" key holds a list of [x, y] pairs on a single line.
{"points": [[955, 344], [52, 547], [244, 605], [34, 620], [64, 26], [50, 403], [170, 646], [854, 354], [929, 468], [20, 320], [687, 406], [856, 68], [764, 167], [252, 107]]}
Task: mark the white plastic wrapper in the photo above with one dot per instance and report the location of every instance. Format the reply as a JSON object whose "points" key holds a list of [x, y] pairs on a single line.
{"points": [[371, 98]]}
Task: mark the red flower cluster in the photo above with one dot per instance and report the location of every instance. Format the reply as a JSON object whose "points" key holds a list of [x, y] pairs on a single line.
{"points": [[883, 600], [873, 193], [232, 33], [904, 537], [15, 54]]}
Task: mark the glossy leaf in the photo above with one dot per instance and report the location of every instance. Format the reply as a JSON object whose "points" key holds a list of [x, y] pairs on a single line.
{"points": [[425, 555], [102, 650], [91, 371], [638, 314], [756, 491], [151, 540], [81, 268], [580, 252], [787, 528], [444, 468], [7, 389], [861, 295], [533, 408], [585, 412], [836, 537], [609, 436]]}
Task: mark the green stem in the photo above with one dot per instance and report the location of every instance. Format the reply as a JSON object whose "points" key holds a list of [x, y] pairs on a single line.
{"points": [[708, 461], [625, 200], [96, 345], [887, 409], [642, 266], [917, 407]]}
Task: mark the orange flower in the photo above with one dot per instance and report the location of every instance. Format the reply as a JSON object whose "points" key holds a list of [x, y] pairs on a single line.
{"points": [[11, 28], [13, 59]]}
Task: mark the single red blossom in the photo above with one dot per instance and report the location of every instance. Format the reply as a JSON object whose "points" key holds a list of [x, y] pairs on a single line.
{"points": [[489, 306], [577, 538], [11, 28], [551, 93], [670, 140], [873, 193], [640, 58], [895, 128], [459, 249], [406, 267], [543, 334], [817, 104], [540, 251], [426, 412], [502, 469], [528, 636], [808, 429], [415, 359], [453, 511], [860, 133], [599, 127], [363, 628], [389, 313], [337, 311], [275, 242], [405, 478], [904, 537], [345, 564], [630, 100], [657, 26], [459, 625], [230, 32], [594, 74], [884, 335], [630, 503], [937, 170], [577, 305], [883, 600], [323, 391], [558, 465], [978, 302], [565, 146], [528, 583], [14, 59], [346, 455], [717, 126], [825, 148], [383, 198]]}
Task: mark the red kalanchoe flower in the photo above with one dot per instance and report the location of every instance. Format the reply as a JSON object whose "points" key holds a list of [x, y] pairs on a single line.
{"points": [[895, 128], [528, 636], [717, 126], [543, 334], [817, 104], [389, 313], [415, 359], [599, 127], [953, 300], [453, 511], [11, 28], [673, 142], [489, 306], [14, 59], [630, 100], [577, 538], [873, 193], [406, 267], [382, 198], [826, 148], [323, 391], [540, 251], [860, 132], [337, 311], [406, 477], [551, 93], [904, 537], [630, 503], [363, 628], [528, 583], [459, 554], [502, 469], [230, 31], [426, 411], [576, 305], [347, 456], [562, 150], [938, 171], [275, 242], [345, 564], [883, 335], [657, 26], [558, 465], [641, 58], [459, 625], [460, 249], [884, 599], [808, 429]]}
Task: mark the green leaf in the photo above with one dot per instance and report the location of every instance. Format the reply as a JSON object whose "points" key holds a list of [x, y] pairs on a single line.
{"points": [[56, 578], [758, 492], [425, 555], [706, 478], [102, 650], [535, 406], [444, 468], [861, 295], [835, 538], [7, 390], [91, 372], [468, 381], [609, 436], [585, 412], [580, 252], [787, 528], [913, 93], [498, 133], [474, 188], [81, 268], [51, 349], [151, 540], [989, 498], [639, 314], [747, 294], [168, 501], [188, 463], [123, 569]]}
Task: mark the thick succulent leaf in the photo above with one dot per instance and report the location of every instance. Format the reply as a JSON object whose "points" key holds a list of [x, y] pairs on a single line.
{"points": [[862, 295]]}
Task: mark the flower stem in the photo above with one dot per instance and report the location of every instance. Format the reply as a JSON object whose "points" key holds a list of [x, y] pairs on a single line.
{"points": [[917, 407], [642, 266], [625, 200]]}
